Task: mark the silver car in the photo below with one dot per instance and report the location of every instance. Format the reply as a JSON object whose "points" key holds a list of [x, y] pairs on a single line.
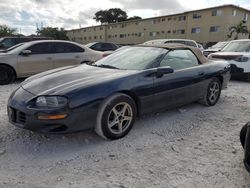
{"points": [[38, 56]]}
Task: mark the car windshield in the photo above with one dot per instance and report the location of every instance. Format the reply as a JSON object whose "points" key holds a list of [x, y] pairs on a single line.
{"points": [[237, 46], [133, 58], [219, 45], [13, 47]]}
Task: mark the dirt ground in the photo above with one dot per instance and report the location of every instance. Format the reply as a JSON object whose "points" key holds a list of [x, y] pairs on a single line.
{"points": [[192, 146]]}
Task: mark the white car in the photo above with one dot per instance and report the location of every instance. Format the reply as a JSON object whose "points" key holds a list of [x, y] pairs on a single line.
{"points": [[179, 41], [39, 56], [237, 53]]}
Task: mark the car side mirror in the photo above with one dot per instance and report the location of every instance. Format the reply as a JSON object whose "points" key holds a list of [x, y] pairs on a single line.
{"points": [[26, 52], [163, 70]]}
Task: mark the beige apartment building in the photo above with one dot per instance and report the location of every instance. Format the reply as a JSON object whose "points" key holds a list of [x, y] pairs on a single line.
{"points": [[204, 26]]}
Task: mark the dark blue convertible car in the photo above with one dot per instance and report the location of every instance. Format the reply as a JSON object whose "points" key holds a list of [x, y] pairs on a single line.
{"points": [[109, 94]]}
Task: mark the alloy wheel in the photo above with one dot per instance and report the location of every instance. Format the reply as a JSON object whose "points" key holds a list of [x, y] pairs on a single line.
{"points": [[214, 92], [120, 118]]}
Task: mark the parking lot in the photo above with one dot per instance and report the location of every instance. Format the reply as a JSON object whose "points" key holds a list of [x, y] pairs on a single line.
{"points": [[192, 146]]}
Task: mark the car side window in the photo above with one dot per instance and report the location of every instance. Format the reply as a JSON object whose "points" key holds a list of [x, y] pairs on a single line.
{"points": [[180, 59], [97, 46], [41, 48], [61, 47]]}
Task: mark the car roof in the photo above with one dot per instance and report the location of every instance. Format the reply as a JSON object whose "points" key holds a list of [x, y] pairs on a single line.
{"points": [[177, 46], [241, 40]]}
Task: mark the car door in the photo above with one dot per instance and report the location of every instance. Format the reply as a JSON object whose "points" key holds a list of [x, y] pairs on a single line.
{"points": [[182, 86], [66, 54], [40, 59]]}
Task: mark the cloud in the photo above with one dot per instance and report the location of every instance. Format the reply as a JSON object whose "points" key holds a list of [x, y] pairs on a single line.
{"points": [[150, 4], [71, 13]]}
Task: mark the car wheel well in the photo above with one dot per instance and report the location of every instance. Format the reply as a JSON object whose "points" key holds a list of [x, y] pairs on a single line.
{"points": [[6, 65], [135, 98], [220, 78]]}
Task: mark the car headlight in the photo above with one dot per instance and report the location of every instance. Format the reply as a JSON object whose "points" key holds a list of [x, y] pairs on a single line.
{"points": [[51, 101], [241, 58]]}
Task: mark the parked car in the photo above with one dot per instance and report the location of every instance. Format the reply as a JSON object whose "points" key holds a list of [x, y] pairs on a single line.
{"points": [[109, 94], [38, 56], [237, 53], [176, 41], [102, 46], [215, 48], [8, 42], [245, 141]]}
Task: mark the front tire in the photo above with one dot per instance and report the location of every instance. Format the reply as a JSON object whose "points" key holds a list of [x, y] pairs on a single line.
{"points": [[213, 93], [7, 75], [116, 117]]}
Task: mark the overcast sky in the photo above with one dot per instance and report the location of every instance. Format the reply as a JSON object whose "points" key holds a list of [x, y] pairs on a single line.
{"points": [[70, 14]]}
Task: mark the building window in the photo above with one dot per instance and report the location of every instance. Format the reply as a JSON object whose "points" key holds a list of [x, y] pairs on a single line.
{"points": [[84, 30], [140, 34], [169, 19], [234, 13], [152, 34], [216, 12], [174, 31], [182, 18], [153, 21], [100, 37], [163, 19], [214, 29], [122, 35], [85, 38], [95, 37], [101, 28], [90, 38], [197, 15], [180, 31], [162, 32], [169, 31], [196, 30], [245, 17]]}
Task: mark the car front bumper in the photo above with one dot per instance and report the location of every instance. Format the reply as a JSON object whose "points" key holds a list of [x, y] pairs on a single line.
{"points": [[20, 115]]}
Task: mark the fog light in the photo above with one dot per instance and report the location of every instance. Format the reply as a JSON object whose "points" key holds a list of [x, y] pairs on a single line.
{"points": [[52, 117]]}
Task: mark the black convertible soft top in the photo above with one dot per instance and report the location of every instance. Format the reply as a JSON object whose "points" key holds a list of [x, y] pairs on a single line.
{"points": [[174, 46]]}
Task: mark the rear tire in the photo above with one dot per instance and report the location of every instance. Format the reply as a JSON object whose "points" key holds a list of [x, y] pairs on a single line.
{"points": [[243, 133], [213, 93], [7, 75], [116, 117]]}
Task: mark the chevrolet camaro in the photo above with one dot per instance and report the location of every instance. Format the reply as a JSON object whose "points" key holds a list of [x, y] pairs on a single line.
{"points": [[108, 95]]}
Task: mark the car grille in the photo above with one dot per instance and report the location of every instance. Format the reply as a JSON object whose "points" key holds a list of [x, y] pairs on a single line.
{"points": [[17, 116]]}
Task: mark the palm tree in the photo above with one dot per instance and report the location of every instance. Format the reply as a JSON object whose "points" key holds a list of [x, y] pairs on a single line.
{"points": [[6, 31], [240, 28]]}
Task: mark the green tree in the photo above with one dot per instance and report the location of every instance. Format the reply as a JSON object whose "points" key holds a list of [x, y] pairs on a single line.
{"points": [[134, 18], [240, 28], [53, 32], [112, 15], [6, 31]]}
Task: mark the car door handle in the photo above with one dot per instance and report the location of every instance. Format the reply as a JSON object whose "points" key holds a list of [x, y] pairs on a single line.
{"points": [[49, 58], [77, 56], [201, 73]]}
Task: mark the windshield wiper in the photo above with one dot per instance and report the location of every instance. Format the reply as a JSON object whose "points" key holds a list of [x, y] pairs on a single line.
{"points": [[106, 66]]}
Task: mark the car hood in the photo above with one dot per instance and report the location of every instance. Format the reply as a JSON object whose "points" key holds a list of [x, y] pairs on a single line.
{"points": [[64, 80], [228, 55]]}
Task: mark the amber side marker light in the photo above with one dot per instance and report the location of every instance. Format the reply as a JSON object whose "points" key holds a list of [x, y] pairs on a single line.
{"points": [[52, 117]]}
